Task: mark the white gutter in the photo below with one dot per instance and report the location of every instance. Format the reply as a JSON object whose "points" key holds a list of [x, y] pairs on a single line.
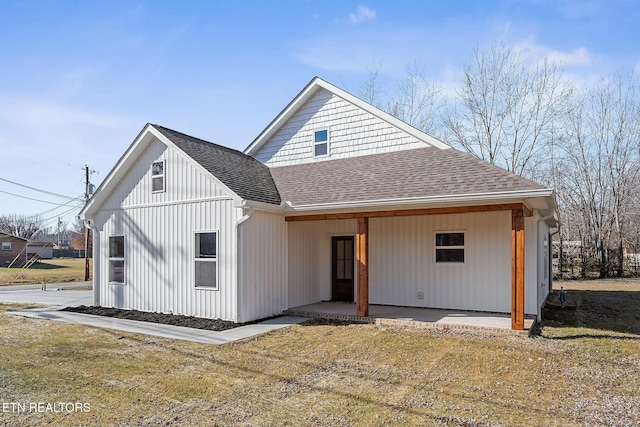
{"points": [[261, 206], [239, 222], [454, 198]]}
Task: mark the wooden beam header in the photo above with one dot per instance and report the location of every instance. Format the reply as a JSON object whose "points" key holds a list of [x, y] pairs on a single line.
{"points": [[408, 212]]}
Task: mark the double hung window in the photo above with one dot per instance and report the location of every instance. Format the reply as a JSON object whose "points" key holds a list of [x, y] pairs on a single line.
{"points": [[450, 247], [206, 260]]}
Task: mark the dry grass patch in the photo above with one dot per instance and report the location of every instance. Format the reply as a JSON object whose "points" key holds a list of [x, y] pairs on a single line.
{"points": [[52, 270], [322, 374]]}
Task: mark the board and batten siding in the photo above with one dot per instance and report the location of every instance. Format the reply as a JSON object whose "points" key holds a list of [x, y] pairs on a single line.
{"points": [[263, 266], [309, 265], [159, 231], [402, 262], [352, 132], [183, 180]]}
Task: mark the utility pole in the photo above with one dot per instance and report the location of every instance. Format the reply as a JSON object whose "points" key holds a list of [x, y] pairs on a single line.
{"points": [[86, 229], [59, 224]]}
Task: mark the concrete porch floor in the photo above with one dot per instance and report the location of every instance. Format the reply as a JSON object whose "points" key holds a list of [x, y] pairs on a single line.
{"points": [[415, 317]]}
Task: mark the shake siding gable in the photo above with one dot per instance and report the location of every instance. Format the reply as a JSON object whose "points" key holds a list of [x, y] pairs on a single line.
{"points": [[353, 132]]}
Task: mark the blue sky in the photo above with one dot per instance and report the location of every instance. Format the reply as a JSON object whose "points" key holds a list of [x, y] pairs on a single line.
{"points": [[79, 79]]}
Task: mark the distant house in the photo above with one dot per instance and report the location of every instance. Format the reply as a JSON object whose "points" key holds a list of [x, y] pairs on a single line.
{"points": [[334, 200], [43, 250], [12, 247]]}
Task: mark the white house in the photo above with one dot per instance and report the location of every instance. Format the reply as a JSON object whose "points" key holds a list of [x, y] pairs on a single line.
{"points": [[334, 200]]}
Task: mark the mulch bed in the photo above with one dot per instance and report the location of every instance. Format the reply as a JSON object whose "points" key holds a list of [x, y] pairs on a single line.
{"points": [[165, 319]]}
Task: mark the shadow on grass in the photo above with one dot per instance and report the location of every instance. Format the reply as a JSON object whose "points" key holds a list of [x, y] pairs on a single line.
{"points": [[611, 311], [40, 266]]}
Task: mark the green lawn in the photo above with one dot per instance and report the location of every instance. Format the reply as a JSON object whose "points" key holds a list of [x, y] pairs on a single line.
{"points": [[52, 270], [583, 369]]}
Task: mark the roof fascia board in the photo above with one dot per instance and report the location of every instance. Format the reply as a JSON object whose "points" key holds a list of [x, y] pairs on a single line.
{"points": [[310, 89], [103, 191], [293, 106]]}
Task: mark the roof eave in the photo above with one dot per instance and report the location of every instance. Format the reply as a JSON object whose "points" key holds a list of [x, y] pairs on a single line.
{"points": [[528, 197]]}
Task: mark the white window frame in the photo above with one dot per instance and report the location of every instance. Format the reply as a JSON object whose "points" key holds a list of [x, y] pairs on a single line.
{"points": [[158, 177], [118, 259], [6, 248], [435, 252], [327, 142], [197, 259]]}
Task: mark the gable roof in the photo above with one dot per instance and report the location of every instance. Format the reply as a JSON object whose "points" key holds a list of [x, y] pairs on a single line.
{"points": [[12, 236], [421, 173], [243, 174], [309, 90]]}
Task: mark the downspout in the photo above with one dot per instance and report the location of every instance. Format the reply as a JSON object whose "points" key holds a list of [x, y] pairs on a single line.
{"points": [[550, 259], [95, 251], [239, 222]]}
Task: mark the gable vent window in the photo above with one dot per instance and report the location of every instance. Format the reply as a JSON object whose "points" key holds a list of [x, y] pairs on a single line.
{"points": [[6, 246], [450, 247], [157, 177], [321, 143]]}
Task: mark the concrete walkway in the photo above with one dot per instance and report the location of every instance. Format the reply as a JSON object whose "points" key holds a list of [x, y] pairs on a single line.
{"points": [[70, 298]]}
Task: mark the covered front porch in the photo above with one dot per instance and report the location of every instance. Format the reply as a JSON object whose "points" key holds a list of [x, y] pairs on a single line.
{"points": [[414, 317], [396, 264]]}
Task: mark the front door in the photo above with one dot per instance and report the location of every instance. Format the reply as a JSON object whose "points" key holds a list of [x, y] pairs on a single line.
{"points": [[342, 268]]}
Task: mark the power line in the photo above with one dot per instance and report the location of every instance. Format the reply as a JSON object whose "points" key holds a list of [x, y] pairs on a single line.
{"points": [[37, 189], [77, 199], [38, 200]]}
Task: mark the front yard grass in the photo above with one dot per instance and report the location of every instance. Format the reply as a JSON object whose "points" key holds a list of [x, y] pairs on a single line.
{"points": [[57, 270], [583, 372]]}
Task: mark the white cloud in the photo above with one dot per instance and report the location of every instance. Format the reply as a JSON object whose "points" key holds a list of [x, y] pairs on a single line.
{"points": [[533, 52], [362, 14]]}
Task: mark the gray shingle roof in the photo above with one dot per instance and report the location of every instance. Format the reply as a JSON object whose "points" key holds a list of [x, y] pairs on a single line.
{"points": [[243, 174], [422, 172]]}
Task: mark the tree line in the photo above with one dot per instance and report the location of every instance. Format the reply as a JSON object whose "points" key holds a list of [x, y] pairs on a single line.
{"points": [[32, 228], [533, 120]]}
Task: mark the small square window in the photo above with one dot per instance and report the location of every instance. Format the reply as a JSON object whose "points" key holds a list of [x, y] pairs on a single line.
{"points": [[6, 246], [321, 142], [450, 247], [157, 176]]}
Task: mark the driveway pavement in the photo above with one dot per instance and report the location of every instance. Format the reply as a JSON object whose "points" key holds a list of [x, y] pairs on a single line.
{"points": [[70, 298]]}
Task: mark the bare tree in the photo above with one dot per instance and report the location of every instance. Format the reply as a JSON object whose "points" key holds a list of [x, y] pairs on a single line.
{"points": [[370, 86], [505, 112], [27, 227], [602, 178], [416, 101]]}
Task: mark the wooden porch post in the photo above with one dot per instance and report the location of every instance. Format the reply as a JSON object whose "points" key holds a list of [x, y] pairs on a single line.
{"points": [[517, 269], [362, 260]]}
